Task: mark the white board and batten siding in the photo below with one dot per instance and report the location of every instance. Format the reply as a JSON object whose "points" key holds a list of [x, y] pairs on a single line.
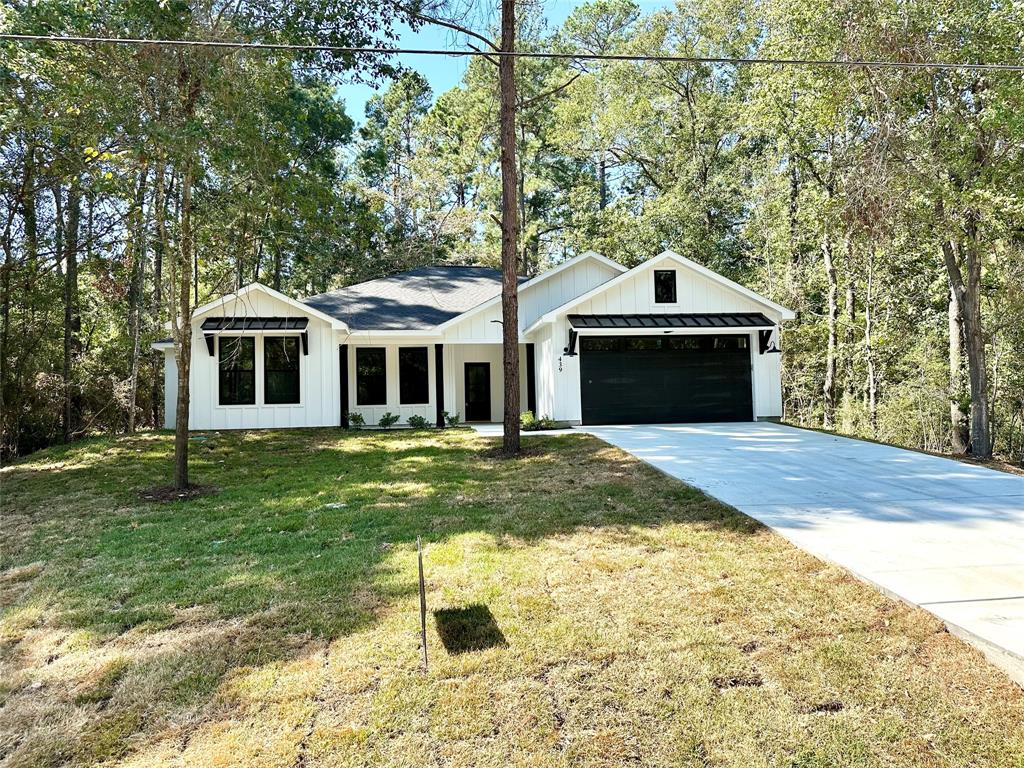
{"points": [[695, 293], [535, 298], [318, 372], [372, 413]]}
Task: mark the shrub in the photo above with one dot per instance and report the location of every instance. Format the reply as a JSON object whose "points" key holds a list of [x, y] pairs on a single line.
{"points": [[530, 423], [387, 421], [451, 419], [418, 422], [356, 420]]}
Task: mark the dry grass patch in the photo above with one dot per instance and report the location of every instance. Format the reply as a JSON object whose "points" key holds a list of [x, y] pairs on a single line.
{"points": [[585, 611]]}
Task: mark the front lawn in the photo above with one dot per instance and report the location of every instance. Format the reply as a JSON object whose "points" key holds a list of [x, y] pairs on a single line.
{"points": [[584, 611]]}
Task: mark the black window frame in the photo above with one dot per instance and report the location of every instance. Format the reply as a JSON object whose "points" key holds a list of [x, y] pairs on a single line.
{"points": [[235, 374], [412, 391], [658, 287], [380, 379], [286, 341]]}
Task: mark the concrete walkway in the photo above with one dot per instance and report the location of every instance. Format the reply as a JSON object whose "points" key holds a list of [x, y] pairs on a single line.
{"points": [[937, 533]]}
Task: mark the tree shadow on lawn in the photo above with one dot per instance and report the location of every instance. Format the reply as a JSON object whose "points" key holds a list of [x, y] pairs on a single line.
{"points": [[298, 544]]}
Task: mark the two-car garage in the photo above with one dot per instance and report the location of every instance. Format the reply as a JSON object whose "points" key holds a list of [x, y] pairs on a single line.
{"points": [[668, 376]]}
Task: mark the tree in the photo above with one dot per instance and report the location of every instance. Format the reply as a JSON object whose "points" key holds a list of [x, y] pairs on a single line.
{"points": [[506, 66]]}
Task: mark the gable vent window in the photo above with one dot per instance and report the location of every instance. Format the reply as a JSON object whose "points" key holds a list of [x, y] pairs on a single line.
{"points": [[413, 382], [237, 363], [281, 370], [664, 286], [371, 378]]}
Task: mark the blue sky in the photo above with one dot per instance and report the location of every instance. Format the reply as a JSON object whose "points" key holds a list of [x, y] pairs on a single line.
{"points": [[443, 72]]}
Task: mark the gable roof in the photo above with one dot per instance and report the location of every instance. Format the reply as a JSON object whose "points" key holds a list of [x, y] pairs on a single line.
{"points": [[784, 313], [241, 293], [525, 283], [419, 299]]}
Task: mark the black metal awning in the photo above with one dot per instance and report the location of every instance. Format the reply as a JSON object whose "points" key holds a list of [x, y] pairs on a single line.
{"points": [[212, 324], [660, 322]]}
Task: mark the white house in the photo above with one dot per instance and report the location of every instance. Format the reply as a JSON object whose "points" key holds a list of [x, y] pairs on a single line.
{"points": [[666, 341]]}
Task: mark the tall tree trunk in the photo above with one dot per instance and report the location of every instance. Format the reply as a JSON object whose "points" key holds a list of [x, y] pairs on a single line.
{"points": [[72, 317], [183, 329], [135, 290], [509, 228], [159, 208], [602, 180], [871, 380], [829, 387], [958, 420], [849, 339], [968, 295], [6, 439]]}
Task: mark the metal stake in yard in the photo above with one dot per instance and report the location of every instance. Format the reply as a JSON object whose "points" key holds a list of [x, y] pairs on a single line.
{"points": [[423, 604]]}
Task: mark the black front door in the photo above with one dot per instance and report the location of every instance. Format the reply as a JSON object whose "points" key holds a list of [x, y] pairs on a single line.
{"points": [[665, 379], [478, 391]]}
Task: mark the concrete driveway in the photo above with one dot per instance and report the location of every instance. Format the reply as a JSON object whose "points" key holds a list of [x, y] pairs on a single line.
{"points": [[937, 533]]}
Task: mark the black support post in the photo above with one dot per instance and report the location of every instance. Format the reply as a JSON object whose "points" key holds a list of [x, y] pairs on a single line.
{"points": [[343, 382], [439, 382], [531, 380]]}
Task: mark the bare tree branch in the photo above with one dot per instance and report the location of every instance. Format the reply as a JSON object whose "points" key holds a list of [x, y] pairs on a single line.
{"points": [[446, 23], [552, 92]]}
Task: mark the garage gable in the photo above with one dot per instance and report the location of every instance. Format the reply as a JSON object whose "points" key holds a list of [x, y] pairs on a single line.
{"points": [[697, 289]]}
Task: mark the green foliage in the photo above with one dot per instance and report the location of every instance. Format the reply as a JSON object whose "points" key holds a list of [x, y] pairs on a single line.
{"points": [[388, 420], [451, 419], [355, 419], [419, 422], [530, 423], [754, 171]]}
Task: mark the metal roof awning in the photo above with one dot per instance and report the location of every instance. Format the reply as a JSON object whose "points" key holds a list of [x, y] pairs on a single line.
{"points": [[212, 324], [661, 322]]}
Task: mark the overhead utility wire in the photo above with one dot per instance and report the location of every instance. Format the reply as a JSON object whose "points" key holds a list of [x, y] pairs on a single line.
{"points": [[849, 63]]}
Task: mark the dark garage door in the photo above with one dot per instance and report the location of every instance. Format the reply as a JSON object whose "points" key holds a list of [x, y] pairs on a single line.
{"points": [[665, 379]]}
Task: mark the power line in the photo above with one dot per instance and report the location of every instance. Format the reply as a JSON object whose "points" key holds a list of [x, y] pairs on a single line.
{"points": [[338, 49]]}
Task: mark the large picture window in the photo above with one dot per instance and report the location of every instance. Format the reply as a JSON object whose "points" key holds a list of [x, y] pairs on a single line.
{"points": [[280, 370], [413, 379], [371, 377], [237, 364], [664, 286]]}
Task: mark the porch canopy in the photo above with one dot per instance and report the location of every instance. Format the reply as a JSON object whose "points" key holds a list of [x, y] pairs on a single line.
{"points": [[659, 322]]}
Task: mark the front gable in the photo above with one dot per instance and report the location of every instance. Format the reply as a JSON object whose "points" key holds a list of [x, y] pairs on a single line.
{"points": [[258, 300], [698, 290], [537, 296]]}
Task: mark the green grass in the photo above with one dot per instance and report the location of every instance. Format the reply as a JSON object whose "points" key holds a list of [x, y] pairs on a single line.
{"points": [[585, 610]]}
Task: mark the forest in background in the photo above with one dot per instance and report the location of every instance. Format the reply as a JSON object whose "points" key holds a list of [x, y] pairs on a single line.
{"points": [[885, 206]]}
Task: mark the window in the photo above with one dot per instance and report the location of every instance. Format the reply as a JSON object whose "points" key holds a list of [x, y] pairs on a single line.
{"points": [[664, 286], [237, 370], [413, 380], [280, 370], [371, 379]]}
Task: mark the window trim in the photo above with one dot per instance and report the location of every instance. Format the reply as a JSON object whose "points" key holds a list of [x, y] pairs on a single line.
{"points": [[384, 351], [220, 370], [426, 375], [298, 368], [675, 286]]}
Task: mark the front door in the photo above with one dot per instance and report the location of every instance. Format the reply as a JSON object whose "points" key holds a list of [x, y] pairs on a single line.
{"points": [[478, 391]]}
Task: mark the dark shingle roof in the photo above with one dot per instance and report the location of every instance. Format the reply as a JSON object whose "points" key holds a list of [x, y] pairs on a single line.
{"points": [[415, 300]]}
